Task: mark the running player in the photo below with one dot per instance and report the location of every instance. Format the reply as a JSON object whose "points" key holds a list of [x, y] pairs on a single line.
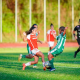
{"points": [[32, 41], [58, 49], [30, 56], [50, 37], [77, 28]]}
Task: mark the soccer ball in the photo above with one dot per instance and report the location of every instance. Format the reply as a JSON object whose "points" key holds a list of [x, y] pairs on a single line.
{"points": [[47, 65]]}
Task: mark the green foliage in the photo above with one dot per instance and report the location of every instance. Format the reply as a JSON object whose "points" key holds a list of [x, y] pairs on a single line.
{"points": [[67, 68], [8, 15]]}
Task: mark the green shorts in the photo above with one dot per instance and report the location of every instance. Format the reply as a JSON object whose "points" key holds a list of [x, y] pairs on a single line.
{"points": [[29, 50], [56, 51]]}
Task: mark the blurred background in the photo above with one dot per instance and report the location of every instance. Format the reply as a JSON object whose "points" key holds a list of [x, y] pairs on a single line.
{"points": [[37, 16]]}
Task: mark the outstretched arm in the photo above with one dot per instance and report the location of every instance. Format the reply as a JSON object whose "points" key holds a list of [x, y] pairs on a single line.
{"points": [[39, 41], [65, 31], [24, 36], [54, 35], [74, 35]]}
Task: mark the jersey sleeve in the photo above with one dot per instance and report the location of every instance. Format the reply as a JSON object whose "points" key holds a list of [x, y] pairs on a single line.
{"points": [[57, 37], [48, 32], [28, 37], [62, 34], [75, 28]]}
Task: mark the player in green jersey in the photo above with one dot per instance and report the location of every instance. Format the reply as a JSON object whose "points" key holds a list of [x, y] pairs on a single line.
{"points": [[58, 49]]}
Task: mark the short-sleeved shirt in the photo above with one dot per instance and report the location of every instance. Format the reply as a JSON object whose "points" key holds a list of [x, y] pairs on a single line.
{"points": [[50, 36], [60, 44], [77, 28], [32, 41]]}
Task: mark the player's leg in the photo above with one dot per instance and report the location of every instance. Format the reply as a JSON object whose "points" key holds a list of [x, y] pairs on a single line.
{"points": [[40, 54], [31, 63], [30, 56], [51, 60], [30, 52], [51, 44], [78, 40]]}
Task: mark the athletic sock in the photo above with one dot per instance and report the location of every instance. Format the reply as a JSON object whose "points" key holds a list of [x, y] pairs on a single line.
{"points": [[43, 64], [51, 62], [23, 56], [28, 64]]}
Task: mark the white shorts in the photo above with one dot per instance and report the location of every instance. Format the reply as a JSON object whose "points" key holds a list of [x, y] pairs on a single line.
{"points": [[34, 51], [51, 44]]}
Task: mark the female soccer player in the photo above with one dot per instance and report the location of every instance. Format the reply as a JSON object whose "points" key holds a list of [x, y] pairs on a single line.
{"points": [[77, 28], [32, 41], [30, 56], [59, 46], [50, 37]]}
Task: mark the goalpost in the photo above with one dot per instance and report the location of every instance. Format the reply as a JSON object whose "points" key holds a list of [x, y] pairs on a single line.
{"points": [[15, 20], [44, 20], [72, 18], [58, 15], [30, 13], [0, 20]]}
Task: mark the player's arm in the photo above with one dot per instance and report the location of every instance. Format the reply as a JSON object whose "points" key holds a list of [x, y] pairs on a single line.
{"points": [[54, 35], [38, 34], [74, 33], [65, 31], [24, 36], [39, 41]]}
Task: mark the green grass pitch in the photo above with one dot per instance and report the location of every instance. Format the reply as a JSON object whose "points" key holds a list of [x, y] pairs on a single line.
{"points": [[67, 68]]}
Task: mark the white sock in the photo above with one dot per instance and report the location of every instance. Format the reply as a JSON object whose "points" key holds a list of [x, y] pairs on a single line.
{"points": [[28, 64], [43, 64]]}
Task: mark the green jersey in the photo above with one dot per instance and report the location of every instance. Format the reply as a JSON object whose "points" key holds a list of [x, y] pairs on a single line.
{"points": [[60, 44]]}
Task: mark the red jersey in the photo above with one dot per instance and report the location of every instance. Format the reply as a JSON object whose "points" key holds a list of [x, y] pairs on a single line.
{"points": [[32, 41], [50, 36]]}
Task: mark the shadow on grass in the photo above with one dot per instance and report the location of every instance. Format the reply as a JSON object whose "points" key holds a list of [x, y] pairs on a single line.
{"points": [[10, 61]]}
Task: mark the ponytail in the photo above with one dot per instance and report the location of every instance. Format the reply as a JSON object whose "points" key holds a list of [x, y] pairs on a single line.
{"points": [[30, 30]]}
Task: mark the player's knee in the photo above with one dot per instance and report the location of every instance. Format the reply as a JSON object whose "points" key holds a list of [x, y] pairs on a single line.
{"points": [[49, 57], [36, 62], [42, 55]]}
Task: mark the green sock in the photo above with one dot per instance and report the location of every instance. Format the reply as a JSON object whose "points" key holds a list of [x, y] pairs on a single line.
{"points": [[35, 64], [23, 56], [51, 62]]}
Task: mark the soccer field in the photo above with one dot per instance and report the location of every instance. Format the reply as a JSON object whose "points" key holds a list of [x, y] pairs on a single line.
{"points": [[67, 68]]}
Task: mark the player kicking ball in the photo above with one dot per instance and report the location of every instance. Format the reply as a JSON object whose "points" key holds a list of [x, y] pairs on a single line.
{"points": [[58, 49], [32, 41], [29, 56]]}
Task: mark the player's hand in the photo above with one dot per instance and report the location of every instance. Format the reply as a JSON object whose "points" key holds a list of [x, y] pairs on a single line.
{"points": [[38, 32], [24, 33], [41, 42], [75, 37], [66, 27]]}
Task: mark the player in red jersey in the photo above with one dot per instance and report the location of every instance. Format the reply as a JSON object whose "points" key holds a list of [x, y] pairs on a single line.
{"points": [[29, 56], [50, 37], [32, 41]]}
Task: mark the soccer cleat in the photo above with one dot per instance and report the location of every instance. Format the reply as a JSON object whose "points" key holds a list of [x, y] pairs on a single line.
{"points": [[34, 66], [75, 54], [52, 69], [20, 56], [44, 68], [23, 66]]}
